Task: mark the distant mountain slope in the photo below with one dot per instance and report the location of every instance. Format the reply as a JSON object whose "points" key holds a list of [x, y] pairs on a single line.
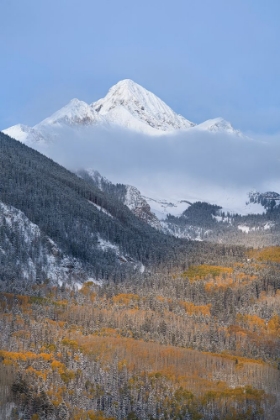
{"points": [[199, 220]]}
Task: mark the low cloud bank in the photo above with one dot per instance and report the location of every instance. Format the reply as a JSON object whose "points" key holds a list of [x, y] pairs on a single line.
{"points": [[185, 164]]}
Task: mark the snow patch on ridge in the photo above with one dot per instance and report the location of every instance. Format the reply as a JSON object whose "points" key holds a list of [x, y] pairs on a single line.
{"points": [[105, 245], [161, 207], [247, 229], [101, 209]]}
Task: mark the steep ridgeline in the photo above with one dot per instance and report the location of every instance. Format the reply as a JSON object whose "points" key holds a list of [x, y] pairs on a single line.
{"points": [[47, 207], [199, 220], [126, 194]]}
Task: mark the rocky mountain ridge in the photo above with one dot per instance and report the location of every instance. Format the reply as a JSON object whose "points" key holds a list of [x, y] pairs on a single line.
{"points": [[198, 220], [127, 105]]}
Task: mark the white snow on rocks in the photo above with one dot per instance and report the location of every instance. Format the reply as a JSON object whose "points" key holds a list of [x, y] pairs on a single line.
{"points": [[218, 125], [162, 207], [247, 229], [53, 262], [130, 103]]}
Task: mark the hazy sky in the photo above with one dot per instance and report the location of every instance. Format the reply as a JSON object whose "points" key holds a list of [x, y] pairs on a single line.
{"points": [[205, 58]]}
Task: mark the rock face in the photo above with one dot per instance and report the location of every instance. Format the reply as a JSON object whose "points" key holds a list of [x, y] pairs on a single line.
{"points": [[139, 206]]}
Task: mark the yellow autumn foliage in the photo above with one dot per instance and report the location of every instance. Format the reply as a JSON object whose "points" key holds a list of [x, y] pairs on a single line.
{"points": [[271, 254], [198, 272]]}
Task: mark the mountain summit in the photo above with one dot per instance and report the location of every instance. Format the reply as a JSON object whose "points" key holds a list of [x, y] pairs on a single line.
{"points": [[127, 105], [133, 106], [218, 125]]}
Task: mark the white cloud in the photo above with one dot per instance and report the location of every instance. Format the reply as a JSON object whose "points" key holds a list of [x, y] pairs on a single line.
{"points": [[203, 165]]}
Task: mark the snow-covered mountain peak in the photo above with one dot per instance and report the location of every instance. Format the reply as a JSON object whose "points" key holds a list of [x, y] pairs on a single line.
{"points": [[218, 125], [22, 132], [132, 104], [127, 105], [127, 89], [75, 112]]}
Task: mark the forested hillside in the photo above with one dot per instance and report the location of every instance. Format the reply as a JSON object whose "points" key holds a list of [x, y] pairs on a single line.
{"points": [[104, 317], [85, 224], [196, 344], [201, 220]]}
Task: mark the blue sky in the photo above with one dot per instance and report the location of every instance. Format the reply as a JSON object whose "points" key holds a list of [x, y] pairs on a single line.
{"points": [[204, 58]]}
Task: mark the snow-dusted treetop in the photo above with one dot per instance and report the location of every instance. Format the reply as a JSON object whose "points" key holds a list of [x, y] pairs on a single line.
{"points": [[126, 105]]}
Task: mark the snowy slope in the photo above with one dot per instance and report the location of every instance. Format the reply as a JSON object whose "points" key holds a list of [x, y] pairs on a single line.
{"points": [[162, 207], [218, 125], [131, 104], [76, 112], [25, 134], [38, 253]]}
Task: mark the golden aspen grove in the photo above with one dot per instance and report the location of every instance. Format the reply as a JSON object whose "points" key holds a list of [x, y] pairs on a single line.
{"points": [[180, 345]]}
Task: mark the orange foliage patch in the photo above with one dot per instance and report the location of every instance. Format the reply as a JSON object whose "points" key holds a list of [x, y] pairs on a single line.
{"points": [[126, 298], [252, 322], [24, 356], [233, 280], [198, 272], [271, 253], [90, 415], [273, 325], [192, 309], [190, 369]]}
